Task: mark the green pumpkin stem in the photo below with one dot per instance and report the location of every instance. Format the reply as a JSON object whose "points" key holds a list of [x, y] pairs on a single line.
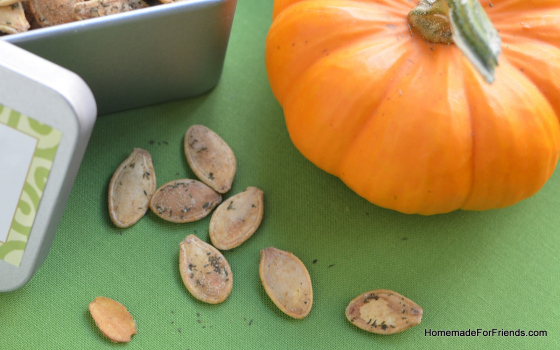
{"points": [[464, 23]]}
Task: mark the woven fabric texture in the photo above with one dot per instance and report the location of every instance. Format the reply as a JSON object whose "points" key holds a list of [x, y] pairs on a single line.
{"points": [[488, 270]]}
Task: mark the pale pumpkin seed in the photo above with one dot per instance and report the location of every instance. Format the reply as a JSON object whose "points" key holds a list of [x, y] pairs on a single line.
{"points": [[12, 18], [210, 158], [204, 270], [131, 188], [286, 281], [184, 200], [113, 319], [236, 219], [383, 311], [8, 2]]}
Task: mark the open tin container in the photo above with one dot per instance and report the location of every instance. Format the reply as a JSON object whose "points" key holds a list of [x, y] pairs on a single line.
{"points": [[142, 57], [53, 86]]}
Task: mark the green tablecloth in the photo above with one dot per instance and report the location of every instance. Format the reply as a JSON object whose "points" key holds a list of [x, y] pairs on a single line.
{"points": [[468, 270]]}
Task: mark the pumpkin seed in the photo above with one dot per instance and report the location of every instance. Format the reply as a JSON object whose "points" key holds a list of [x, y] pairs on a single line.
{"points": [[8, 2], [236, 219], [184, 200], [131, 188], [53, 12], [210, 158], [286, 281], [113, 319], [99, 8], [12, 18], [383, 311], [204, 270]]}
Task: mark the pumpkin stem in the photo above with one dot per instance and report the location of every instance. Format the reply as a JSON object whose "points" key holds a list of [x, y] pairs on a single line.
{"points": [[463, 22]]}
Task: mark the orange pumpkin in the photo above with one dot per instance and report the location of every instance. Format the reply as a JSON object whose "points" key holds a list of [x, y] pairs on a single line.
{"points": [[408, 124]]}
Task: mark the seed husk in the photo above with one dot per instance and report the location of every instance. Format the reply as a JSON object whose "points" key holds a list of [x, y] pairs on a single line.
{"points": [[204, 270], [210, 158], [184, 200], [235, 220], [113, 319], [286, 281], [131, 188], [383, 311]]}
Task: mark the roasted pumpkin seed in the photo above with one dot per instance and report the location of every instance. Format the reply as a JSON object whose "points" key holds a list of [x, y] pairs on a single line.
{"points": [[210, 158], [286, 281], [184, 200], [113, 319], [204, 270], [53, 12], [383, 311], [236, 219], [12, 18], [99, 8], [131, 188]]}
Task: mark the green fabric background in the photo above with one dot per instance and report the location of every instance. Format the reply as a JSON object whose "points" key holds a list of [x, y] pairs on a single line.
{"points": [[468, 270]]}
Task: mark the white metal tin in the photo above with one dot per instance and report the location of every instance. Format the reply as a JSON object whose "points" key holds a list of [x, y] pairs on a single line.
{"points": [[39, 102]]}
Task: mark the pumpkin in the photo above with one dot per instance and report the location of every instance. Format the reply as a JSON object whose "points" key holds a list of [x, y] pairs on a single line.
{"points": [[410, 124]]}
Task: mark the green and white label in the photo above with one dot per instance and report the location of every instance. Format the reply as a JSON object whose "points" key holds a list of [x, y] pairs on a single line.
{"points": [[27, 151]]}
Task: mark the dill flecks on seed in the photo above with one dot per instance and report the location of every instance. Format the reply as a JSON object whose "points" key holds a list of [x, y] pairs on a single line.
{"points": [[214, 261], [369, 297]]}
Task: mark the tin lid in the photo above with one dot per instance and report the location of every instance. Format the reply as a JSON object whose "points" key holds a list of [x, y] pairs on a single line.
{"points": [[47, 114]]}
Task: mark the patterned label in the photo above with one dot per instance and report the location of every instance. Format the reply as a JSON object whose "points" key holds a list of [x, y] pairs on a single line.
{"points": [[27, 151]]}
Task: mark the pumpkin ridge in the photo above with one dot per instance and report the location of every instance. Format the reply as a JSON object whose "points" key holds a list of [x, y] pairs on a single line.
{"points": [[473, 95], [515, 149], [387, 167], [547, 81], [532, 26], [513, 6], [395, 68], [299, 55], [469, 99], [395, 7], [398, 6], [325, 159]]}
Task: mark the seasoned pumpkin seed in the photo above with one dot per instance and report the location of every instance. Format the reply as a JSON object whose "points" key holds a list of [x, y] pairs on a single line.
{"points": [[383, 311], [53, 12], [12, 18], [131, 188], [113, 319], [236, 219], [204, 270], [286, 281], [184, 200], [99, 8], [210, 158]]}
